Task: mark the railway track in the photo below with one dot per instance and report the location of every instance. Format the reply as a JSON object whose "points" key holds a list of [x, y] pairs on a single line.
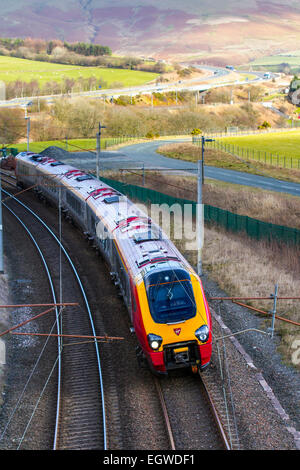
{"points": [[80, 421], [205, 410], [83, 405]]}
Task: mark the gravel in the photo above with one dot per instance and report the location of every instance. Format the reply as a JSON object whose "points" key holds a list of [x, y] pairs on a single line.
{"points": [[260, 379]]}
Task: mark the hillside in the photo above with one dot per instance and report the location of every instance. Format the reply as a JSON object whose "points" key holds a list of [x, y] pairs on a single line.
{"points": [[230, 31]]}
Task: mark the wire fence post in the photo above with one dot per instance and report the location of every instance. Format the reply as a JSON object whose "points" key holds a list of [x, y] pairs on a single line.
{"points": [[199, 218], [98, 155], [274, 310], [98, 149], [28, 131]]}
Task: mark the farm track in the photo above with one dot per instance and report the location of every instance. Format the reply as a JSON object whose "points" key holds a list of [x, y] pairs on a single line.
{"points": [[133, 406]]}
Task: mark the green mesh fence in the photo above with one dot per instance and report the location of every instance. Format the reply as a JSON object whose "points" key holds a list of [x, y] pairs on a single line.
{"points": [[254, 228]]}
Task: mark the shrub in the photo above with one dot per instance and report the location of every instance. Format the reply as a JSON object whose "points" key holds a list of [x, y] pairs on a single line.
{"points": [[150, 135], [196, 131], [264, 125]]}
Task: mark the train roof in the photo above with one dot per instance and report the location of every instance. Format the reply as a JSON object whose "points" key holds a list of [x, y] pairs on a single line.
{"points": [[140, 241]]}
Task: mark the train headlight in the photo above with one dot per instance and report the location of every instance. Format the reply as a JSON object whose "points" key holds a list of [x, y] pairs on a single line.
{"points": [[202, 333], [154, 341]]}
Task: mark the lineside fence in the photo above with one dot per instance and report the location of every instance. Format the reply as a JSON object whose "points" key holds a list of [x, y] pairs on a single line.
{"points": [[270, 158], [231, 131], [230, 221]]}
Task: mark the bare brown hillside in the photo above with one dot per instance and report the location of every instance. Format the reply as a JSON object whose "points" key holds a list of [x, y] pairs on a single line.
{"points": [[218, 32]]}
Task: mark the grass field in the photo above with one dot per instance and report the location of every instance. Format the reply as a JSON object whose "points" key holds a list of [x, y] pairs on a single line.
{"points": [[278, 59], [12, 69], [73, 145], [225, 159], [278, 149], [273, 62]]}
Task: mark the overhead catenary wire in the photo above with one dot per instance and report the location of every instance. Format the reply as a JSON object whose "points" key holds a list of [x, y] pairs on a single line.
{"points": [[38, 400], [158, 181]]}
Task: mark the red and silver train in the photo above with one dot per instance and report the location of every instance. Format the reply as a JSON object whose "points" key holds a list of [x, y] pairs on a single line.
{"points": [[163, 294]]}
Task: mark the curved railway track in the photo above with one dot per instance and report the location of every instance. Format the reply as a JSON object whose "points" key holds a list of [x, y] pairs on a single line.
{"points": [[54, 299], [79, 430], [78, 425]]}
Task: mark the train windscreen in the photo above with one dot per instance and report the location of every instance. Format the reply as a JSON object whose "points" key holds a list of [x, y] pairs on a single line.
{"points": [[170, 295]]}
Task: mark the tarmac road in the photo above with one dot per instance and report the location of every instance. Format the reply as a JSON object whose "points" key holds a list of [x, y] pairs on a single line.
{"points": [[137, 155]]}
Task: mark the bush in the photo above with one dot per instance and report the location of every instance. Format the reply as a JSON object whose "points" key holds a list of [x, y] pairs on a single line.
{"points": [[264, 125], [150, 135], [124, 100], [196, 131]]}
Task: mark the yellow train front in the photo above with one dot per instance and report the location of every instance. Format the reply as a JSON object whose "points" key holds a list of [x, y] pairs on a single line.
{"points": [[172, 320]]}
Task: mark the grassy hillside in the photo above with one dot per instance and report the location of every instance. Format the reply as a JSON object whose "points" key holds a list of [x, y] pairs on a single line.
{"points": [[282, 143], [12, 69], [276, 63]]}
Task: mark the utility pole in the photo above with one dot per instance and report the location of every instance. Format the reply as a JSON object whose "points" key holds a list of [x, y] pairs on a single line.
{"points": [[199, 218], [200, 209], [203, 140], [28, 131], [202, 158], [98, 148]]}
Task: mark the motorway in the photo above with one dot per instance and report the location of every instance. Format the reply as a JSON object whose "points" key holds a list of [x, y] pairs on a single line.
{"points": [[214, 73], [144, 154]]}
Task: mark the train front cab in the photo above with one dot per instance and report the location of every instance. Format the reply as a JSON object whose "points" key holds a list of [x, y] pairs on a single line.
{"points": [[175, 319]]}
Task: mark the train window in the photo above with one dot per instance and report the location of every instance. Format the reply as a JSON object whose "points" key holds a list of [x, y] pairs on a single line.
{"points": [[133, 301], [74, 203], [23, 170], [170, 296], [93, 222]]}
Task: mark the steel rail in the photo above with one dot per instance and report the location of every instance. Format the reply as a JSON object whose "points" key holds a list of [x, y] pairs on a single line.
{"points": [[89, 313], [218, 422], [165, 413], [52, 293], [3, 172]]}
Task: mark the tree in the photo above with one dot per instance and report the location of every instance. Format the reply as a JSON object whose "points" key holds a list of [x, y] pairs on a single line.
{"points": [[12, 126]]}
